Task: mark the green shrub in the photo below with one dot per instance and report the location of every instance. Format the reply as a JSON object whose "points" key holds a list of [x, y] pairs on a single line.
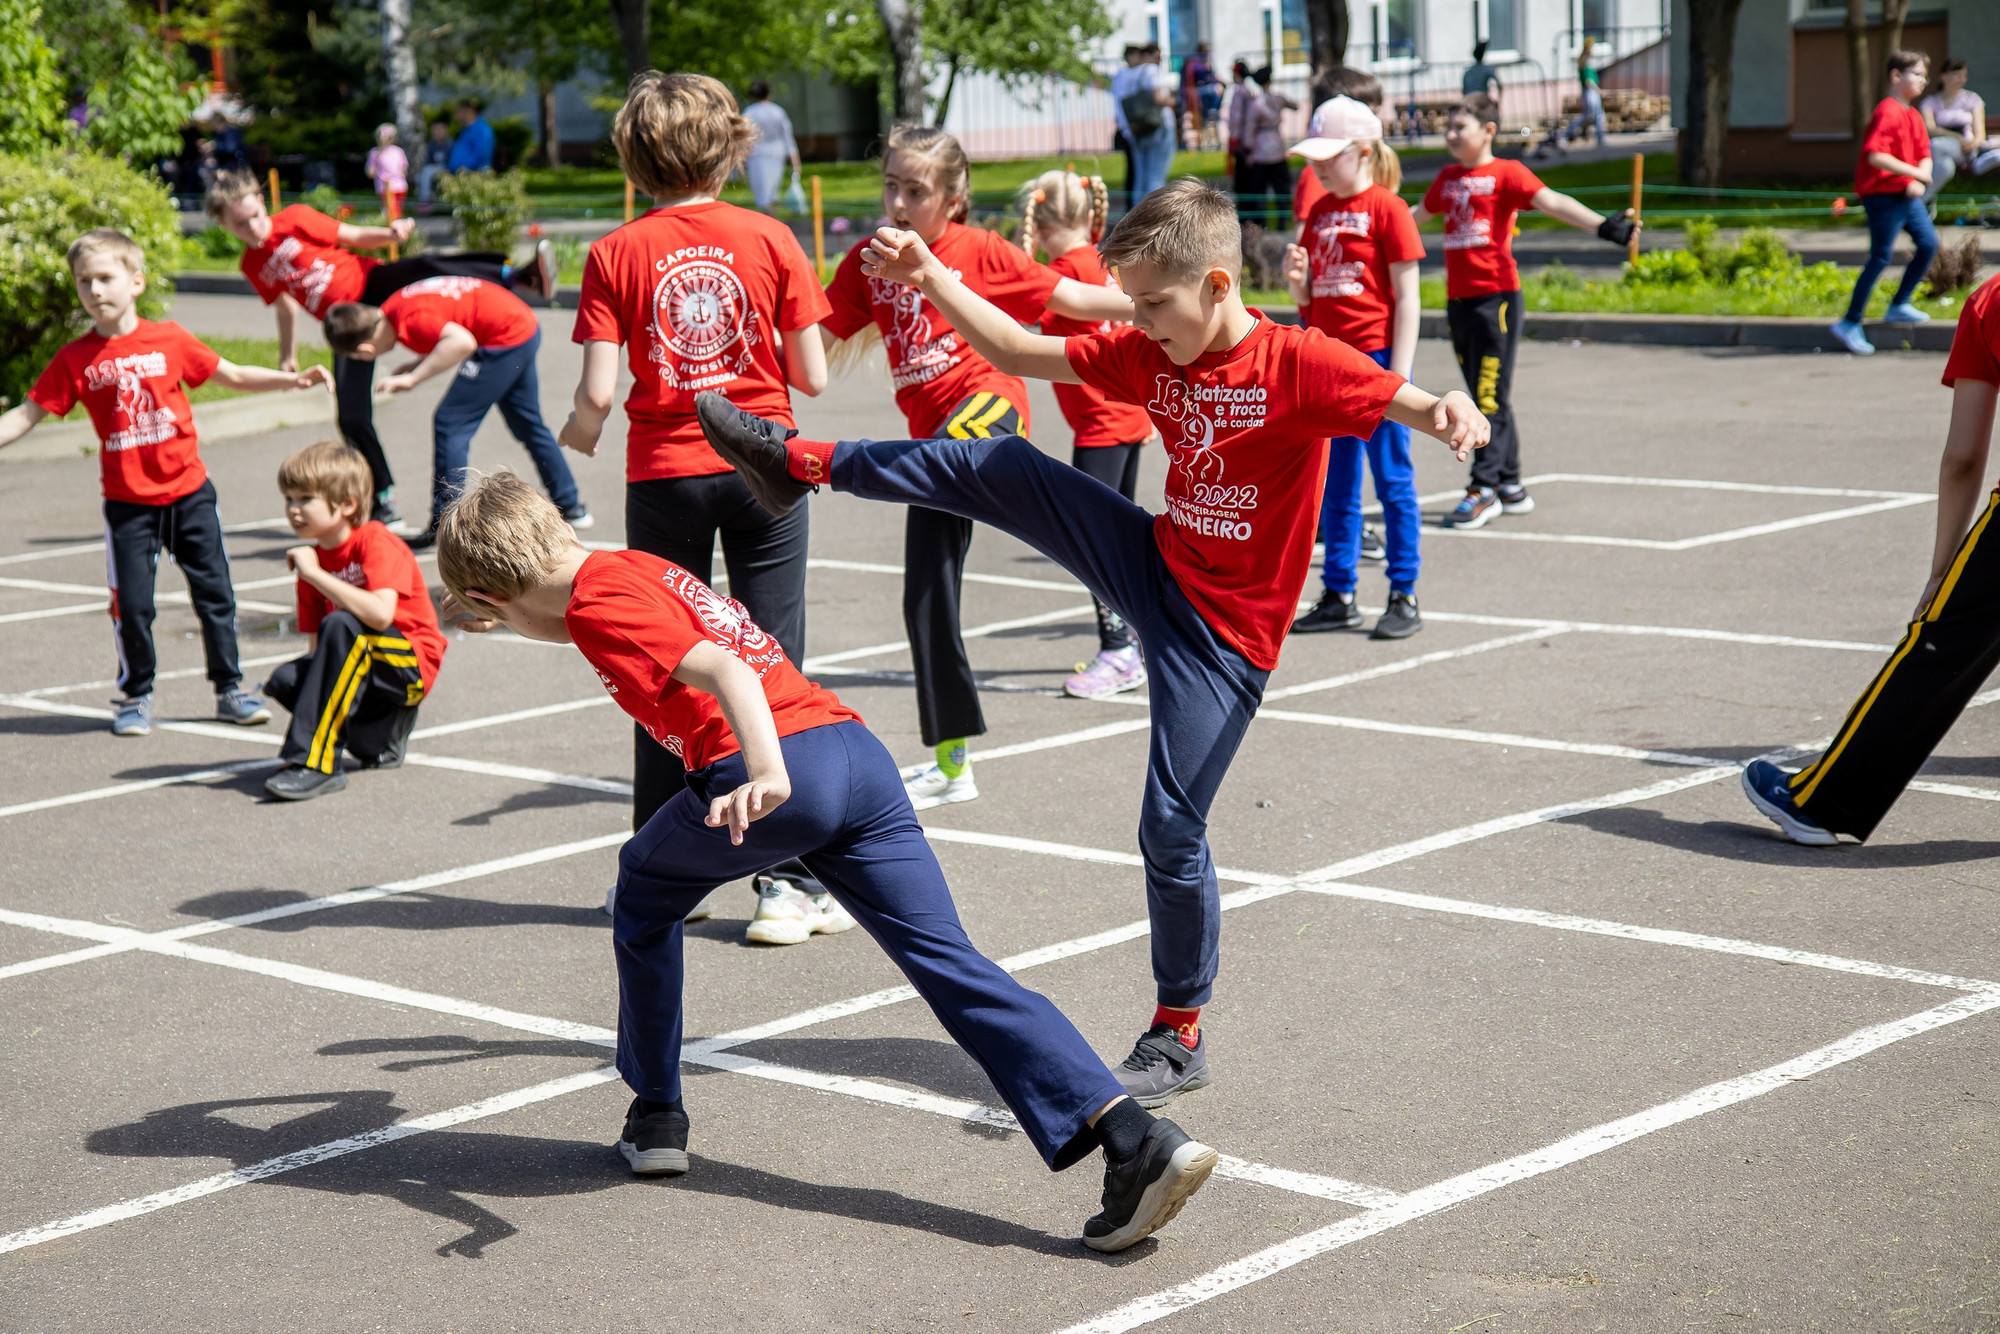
{"points": [[512, 138], [488, 210], [1757, 266], [46, 201], [31, 113], [216, 243], [321, 199]]}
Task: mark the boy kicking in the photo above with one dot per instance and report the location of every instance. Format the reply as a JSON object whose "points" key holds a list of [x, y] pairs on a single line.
{"points": [[128, 374], [1952, 645], [486, 339], [765, 747], [372, 639], [1244, 407]]}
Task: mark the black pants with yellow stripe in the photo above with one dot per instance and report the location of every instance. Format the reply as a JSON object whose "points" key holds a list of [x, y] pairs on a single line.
{"points": [[1485, 334], [934, 549], [1943, 659], [358, 691]]}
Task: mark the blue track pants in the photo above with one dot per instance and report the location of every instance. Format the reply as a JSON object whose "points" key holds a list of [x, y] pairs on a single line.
{"points": [[1388, 452]]}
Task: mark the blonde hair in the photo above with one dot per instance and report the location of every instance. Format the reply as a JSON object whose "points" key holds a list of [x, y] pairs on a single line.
{"points": [[334, 471], [1066, 200], [350, 324], [1385, 168], [950, 168], [500, 536], [1187, 227], [107, 241], [680, 134], [228, 187]]}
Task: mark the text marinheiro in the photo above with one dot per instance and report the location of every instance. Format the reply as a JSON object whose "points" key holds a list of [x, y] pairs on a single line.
{"points": [[714, 252]]}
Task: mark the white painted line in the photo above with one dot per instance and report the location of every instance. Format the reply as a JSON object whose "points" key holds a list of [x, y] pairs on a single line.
{"points": [[1061, 739], [270, 1167], [1686, 543], [1756, 488], [1939, 789], [179, 674], [1507, 739], [48, 586], [974, 632], [139, 785], [1663, 631], [518, 715], [73, 609], [523, 772], [84, 548], [48, 961], [1411, 664], [1457, 1190], [1003, 580], [1305, 1183]]}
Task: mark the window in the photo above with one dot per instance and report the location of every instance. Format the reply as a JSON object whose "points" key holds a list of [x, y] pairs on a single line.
{"points": [[1503, 25], [1597, 18], [1292, 23], [1393, 30], [1183, 26]]}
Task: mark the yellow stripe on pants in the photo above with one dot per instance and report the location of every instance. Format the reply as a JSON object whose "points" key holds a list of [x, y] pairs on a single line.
{"points": [[958, 427]]}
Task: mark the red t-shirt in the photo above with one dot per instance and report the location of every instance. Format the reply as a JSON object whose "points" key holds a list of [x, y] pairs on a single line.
{"points": [[1899, 131], [1975, 348], [131, 386], [635, 616], [1479, 204], [373, 558], [1246, 434], [302, 257], [931, 367], [1352, 243], [1096, 420], [699, 295], [487, 311]]}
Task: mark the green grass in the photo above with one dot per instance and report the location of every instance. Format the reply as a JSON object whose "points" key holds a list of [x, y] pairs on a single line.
{"points": [[253, 352], [1564, 291]]}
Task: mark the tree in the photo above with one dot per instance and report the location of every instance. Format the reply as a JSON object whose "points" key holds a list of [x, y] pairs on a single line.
{"points": [[31, 113], [1894, 12], [399, 64], [1328, 20], [505, 46], [634, 21], [1711, 49], [902, 26], [1014, 42], [112, 58], [1860, 83]]}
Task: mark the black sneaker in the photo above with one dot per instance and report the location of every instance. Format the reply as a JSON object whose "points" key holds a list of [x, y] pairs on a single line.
{"points": [[392, 758], [655, 1145], [298, 783], [1143, 1195], [1515, 499], [423, 541], [1331, 612], [755, 447], [1400, 618], [386, 511], [1161, 1067], [579, 517], [1371, 545]]}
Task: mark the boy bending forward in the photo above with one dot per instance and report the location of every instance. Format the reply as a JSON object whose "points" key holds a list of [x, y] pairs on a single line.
{"points": [[765, 746], [1245, 408]]}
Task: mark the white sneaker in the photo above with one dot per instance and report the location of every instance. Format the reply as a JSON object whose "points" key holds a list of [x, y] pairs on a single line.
{"points": [[927, 786], [787, 915], [701, 912]]}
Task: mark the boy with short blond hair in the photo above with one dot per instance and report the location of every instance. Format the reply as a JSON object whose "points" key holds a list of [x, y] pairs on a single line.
{"points": [[129, 374], [1244, 407], [373, 644], [778, 767]]}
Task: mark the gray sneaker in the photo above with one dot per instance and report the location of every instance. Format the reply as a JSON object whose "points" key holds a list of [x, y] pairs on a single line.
{"points": [[132, 717], [243, 707], [1161, 1068]]}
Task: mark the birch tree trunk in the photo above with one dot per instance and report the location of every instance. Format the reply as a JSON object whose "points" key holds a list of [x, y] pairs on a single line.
{"points": [[399, 67]]}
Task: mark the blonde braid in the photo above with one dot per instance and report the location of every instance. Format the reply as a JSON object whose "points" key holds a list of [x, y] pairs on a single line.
{"points": [[1100, 206], [1028, 221]]}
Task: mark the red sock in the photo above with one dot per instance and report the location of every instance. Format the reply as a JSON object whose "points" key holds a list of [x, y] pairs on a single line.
{"points": [[809, 461], [1185, 1023]]}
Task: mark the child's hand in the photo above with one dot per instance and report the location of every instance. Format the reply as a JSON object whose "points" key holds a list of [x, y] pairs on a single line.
{"points": [[1298, 264], [747, 804], [289, 365], [1914, 189], [397, 384], [573, 436], [899, 256], [401, 228], [314, 375], [451, 611], [1461, 426], [299, 560]]}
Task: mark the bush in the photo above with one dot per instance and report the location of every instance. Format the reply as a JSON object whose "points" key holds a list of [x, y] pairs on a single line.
{"points": [[1757, 265], [488, 211], [216, 243], [32, 111], [46, 202]]}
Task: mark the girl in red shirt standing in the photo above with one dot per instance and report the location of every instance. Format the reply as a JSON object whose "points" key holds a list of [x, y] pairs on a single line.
{"points": [[946, 389], [1894, 169], [1063, 215]]}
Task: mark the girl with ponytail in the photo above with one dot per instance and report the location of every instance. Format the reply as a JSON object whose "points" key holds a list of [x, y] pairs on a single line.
{"points": [[1063, 216]]}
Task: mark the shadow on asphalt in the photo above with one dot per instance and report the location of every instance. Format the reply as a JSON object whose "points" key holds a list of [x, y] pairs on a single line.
{"points": [[1755, 841], [455, 1049], [414, 911], [926, 1063], [542, 799]]}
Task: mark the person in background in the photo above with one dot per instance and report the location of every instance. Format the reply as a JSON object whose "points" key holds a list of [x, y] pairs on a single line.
{"points": [[1143, 104], [1592, 112], [474, 149], [775, 146], [1893, 172], [1480, 77], [1270, 171], [389, 167], [1242, 106], [437, 157], [1201, 93], [1955, 117]]}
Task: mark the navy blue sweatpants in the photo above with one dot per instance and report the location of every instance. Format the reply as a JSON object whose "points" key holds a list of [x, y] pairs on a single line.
{"points": [[502, 376], [849, 820], [1203, 692]]}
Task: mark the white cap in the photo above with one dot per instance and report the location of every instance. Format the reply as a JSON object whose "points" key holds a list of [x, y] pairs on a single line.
{"points": [[1339, 122]]}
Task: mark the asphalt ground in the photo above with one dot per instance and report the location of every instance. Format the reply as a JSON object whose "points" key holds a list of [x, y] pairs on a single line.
{"points": [[1526, 1020]]}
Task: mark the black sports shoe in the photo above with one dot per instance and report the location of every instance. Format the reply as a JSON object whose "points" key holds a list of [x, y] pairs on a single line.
{"points": [[1400, 619], [1331, 612], [755, 447], [298, 783], [1161, 1067], [1143, 1195], [386, 511], [655, 1145], [392, 758], [423, 541], [1371, 545]]}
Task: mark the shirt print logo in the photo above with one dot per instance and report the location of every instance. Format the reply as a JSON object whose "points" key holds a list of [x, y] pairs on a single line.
{"points": [[728, 622], [1332, 273], [137, 420], [703, 330], [1198, 501], [452, 289], [1463, 229], [915, 355], [307, 285], [351, 573]]}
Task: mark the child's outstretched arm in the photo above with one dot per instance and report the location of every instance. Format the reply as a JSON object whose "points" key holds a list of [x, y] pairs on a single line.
{"points": [[18, 420], [716, 671], [594, 394], [1961, 476], [902, 257], [1081, 301], [376, 238], [1452, 418], [1618, 228], [260, 379], [454, 345]]}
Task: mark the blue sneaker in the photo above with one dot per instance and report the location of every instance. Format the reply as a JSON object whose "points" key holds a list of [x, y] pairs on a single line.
{"points": [[1850, 336], [243, 707], [1475, 511], [1905, 313], [1770, 791], [132, 717]]}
